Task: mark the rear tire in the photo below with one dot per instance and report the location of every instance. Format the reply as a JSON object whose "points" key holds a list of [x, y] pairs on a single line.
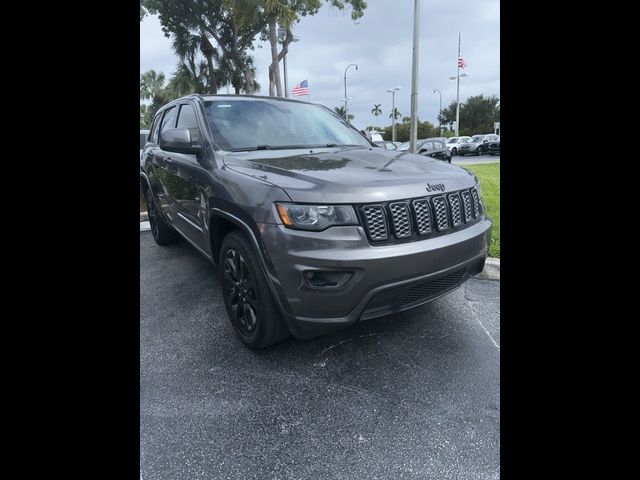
{"points": [[454, 151], [252, 310], [478, 151], [162, 232]]}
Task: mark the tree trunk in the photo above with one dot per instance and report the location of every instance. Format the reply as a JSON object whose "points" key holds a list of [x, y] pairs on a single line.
{"points": [[275, 61], [248, 78], [272, 82]]}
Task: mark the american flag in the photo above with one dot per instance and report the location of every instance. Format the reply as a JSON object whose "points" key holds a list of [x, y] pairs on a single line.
{"points": [[461, 62], [301, 88]]}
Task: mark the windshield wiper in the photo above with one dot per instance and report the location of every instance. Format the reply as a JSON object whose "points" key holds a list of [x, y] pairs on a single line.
{"points": [[291, 147], [251, 149]]}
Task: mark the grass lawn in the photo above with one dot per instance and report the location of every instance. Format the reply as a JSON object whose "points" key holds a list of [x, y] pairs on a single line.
{"points": [[489, 175]]}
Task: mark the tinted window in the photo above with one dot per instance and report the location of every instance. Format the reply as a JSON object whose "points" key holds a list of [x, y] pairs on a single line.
{"points": [[155, 126], [438, 145], [477, 138], [169, 119], [143, 140], [453, 140], [246, 124], [187, 119], [427, 146]]}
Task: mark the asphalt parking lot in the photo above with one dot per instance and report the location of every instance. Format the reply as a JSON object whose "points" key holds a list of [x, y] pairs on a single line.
{"points": [[412, 395]]}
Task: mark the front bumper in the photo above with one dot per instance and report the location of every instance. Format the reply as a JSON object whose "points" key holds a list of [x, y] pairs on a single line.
{"points": [[467, 150], [385, 279]]}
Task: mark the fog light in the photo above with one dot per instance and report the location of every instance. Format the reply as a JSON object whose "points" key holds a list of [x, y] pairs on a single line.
{"points": [[326, 279]]}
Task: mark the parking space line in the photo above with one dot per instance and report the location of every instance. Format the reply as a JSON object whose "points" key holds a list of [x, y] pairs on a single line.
{"points": [[486, 331]]}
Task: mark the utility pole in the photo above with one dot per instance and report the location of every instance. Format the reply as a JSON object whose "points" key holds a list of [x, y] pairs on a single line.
{"points": [[458, 89], [457, 77], [413, 132]]}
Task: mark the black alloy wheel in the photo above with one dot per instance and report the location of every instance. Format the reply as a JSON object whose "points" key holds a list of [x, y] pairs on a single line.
{"points": [[240, 289]]}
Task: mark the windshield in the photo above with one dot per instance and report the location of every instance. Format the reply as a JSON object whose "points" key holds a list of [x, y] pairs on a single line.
{"points": [[476, 139], [271, 124], [453, 140]]}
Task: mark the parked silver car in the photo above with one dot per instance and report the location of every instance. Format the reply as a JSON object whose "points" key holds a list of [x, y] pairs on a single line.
{"points": [[454, 142]]}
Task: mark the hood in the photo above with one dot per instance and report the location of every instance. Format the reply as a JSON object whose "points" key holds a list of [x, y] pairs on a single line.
{"points": [[349, 175]]}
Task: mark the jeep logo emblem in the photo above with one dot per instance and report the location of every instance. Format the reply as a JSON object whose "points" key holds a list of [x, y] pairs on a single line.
{"points": [[432, 187]]}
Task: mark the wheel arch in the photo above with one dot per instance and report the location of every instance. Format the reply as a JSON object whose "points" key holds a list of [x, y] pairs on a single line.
{"points": [[230, 222]]}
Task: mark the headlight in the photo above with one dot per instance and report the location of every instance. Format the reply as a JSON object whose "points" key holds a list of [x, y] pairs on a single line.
{"points": [[315, 217]]}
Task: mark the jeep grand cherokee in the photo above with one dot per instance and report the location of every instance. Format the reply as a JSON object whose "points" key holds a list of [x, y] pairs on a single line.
{"points": [[310, 226]]}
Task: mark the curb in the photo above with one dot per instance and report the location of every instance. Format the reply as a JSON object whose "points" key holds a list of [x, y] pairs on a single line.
{"points": [[144, 216], [491, 270]]}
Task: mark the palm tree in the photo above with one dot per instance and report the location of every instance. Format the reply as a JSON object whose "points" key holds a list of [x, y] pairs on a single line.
{"points": [[151, 84], [376, 110], [340, 111], [396, 113], [187, 46]]}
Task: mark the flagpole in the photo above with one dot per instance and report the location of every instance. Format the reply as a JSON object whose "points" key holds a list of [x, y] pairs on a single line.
{"points": [[458, 90]]}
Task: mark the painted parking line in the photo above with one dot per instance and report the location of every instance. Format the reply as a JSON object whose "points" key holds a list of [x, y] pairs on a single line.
{"points": [[144, 226]]}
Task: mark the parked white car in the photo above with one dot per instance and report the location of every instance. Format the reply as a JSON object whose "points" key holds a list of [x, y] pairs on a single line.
{"points": [[454, 142], [144, 134]]}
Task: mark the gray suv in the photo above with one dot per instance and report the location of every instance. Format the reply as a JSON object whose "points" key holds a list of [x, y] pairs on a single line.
{"points": [[310, 226]]}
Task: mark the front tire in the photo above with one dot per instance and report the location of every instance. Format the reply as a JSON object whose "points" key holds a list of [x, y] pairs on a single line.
{"points": [[162, 232], [252, 310], [454, 151], [478, 151]]}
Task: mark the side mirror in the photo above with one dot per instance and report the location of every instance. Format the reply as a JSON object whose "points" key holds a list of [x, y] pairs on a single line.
{"points": [[178, 140]]}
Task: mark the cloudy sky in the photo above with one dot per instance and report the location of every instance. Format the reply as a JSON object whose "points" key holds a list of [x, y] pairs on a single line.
{"points": [[380, 44]]}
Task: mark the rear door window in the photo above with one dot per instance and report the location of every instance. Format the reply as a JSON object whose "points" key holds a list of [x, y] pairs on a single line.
{"points": [[155, 127]]}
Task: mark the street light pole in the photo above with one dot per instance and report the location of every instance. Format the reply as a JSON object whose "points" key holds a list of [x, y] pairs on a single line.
{"points": [[393, 112], [413, 132], [346, 112], [439, 112]]}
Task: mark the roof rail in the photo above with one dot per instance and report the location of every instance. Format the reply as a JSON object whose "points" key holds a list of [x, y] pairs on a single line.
{"points": [[197, 95]]}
